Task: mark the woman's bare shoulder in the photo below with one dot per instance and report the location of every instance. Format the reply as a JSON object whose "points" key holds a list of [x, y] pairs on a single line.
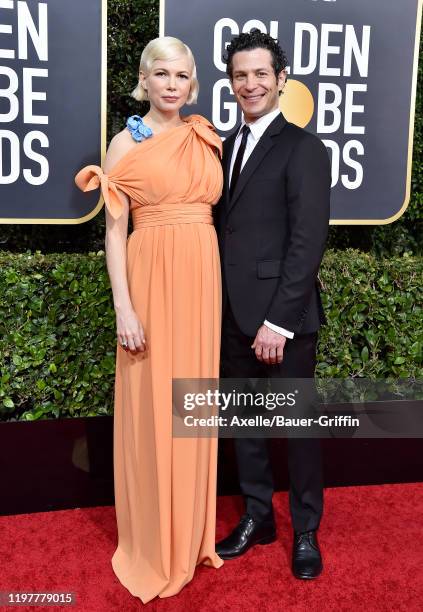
{"points": [[119, 146]]}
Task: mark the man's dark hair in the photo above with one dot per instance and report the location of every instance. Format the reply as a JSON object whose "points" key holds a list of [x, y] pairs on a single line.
{"points": [[255, 40]]}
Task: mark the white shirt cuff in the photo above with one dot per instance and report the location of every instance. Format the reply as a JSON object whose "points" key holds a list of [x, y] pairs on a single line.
{"points": [[279, 330]]}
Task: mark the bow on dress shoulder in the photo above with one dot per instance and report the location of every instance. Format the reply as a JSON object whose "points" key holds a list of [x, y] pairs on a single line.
{"points": [[93, 177], [206, 131]]}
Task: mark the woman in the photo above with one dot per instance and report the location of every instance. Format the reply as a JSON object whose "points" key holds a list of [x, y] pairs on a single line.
{"points": [[165, 279]]}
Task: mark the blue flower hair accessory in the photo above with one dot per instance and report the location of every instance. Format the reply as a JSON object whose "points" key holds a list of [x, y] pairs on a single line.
{"points": [[138, 129]]}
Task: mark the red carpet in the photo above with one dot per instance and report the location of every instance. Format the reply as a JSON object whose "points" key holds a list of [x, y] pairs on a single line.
{"points": [[371, 538]]}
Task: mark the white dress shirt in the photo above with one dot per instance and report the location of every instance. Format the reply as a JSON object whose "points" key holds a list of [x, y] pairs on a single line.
{"points": [[257, 129]]}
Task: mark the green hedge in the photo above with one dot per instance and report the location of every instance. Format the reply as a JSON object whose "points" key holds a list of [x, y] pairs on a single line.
{"points": [[56, 336], [57, 328], [374, 313]]}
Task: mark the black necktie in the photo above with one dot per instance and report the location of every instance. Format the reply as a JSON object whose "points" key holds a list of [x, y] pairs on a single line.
{"points": [[238, 161]]}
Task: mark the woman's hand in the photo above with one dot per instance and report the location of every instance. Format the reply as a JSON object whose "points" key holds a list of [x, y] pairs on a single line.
{"points": [[130, 331]]}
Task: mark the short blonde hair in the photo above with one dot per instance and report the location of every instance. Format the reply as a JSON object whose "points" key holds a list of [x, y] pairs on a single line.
{"points": [[166, 48]]}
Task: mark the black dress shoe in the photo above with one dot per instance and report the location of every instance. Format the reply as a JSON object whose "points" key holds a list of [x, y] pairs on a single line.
{"points": [[306, 556], [248, 533]]}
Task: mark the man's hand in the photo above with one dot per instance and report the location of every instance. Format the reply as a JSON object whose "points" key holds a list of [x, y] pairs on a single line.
{"points": [[269, 345]]}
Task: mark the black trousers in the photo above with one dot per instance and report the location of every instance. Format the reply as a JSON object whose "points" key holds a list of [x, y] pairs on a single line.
{"points": [[238, 360]]}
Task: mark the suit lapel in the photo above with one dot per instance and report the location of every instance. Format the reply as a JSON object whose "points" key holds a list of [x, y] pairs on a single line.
{"points": [[261, 149]]}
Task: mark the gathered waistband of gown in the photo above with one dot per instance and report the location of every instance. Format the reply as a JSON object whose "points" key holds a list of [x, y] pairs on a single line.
{"points": [[171, 214]]}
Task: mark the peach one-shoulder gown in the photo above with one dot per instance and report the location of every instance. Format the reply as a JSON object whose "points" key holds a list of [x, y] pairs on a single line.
{"points": [[165, 487]]}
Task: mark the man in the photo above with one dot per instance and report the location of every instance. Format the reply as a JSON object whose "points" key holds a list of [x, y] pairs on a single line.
{"points": [[272, 223]]}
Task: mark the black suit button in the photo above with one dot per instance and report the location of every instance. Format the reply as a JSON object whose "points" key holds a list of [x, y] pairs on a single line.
{"points": [[229, 230]]}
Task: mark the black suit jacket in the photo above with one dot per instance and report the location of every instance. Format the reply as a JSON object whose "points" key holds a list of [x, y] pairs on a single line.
{"points": [[272, 231]]}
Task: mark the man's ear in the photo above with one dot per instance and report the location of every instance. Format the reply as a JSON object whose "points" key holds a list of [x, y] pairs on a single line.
{"points": [[281, 80]]}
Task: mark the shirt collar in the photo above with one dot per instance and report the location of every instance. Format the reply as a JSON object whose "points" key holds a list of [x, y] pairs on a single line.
{"points": [[259, 126]]}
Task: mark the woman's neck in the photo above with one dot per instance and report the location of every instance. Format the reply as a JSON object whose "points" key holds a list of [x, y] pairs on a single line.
{"points": [[159, 122]]}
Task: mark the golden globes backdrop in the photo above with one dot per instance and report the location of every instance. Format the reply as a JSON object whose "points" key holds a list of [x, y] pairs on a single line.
{"points": [[352, 80], [52, 107]]}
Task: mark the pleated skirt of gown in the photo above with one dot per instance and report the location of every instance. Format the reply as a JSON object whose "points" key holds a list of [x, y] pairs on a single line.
{"points": [[165, 488]]}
